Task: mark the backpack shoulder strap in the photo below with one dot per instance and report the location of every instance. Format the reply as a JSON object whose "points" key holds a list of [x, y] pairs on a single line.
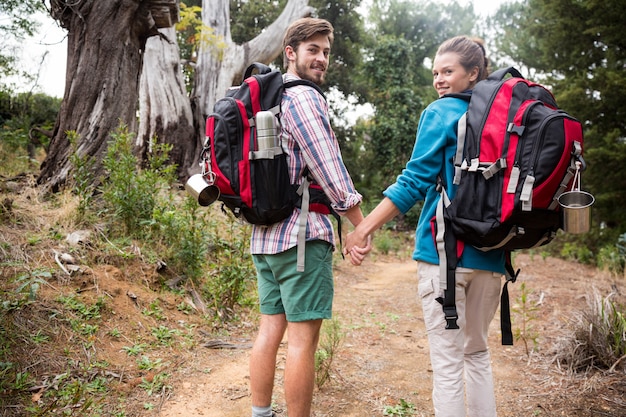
{"points": [[293, 83]]}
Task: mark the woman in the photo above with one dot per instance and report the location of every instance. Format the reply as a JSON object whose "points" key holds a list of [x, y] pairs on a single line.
{"points": [[460, 358]]}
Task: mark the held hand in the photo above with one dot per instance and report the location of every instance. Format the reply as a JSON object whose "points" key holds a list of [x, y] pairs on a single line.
{"points": [[357, 253]]}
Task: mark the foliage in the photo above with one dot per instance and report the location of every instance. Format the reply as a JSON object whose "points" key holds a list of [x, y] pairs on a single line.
{"points": [[397, 105], [577, 47], [397, 75], [330, 340], [130, 193], [19, 114], [82, 181], [231, 271], [249, 18], [182, 234], [598, 337], [192, 34], [404, 409], [612, 258], [16, 23], [527, 312]]}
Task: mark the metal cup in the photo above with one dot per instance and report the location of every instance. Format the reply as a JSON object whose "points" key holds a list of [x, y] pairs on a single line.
{"points": [[576, 211], [206, 193]]}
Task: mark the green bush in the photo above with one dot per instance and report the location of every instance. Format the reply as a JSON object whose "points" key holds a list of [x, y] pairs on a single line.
{"points": [[131, 193], [231, 272], [330, 340]]}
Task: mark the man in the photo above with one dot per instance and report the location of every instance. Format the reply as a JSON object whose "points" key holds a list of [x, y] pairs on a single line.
{"points": [[293, 301]]}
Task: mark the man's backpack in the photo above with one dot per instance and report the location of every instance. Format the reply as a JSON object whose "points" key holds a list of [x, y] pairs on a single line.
{"points": [[253, 183], [253, 180], [517, 152]]}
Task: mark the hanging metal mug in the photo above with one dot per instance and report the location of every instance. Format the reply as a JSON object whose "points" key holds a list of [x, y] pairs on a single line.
{"points": [[576, 206], [202, 188]]}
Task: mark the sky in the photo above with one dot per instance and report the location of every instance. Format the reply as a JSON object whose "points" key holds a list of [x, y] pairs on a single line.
{"points": [[52, 41], [49, 44]]}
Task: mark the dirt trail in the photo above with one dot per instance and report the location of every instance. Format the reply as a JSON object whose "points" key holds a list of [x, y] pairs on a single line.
{"points": [[383, 358]]}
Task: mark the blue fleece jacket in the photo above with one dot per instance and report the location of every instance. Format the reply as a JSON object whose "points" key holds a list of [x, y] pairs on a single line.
{"points": [[433, 154]]}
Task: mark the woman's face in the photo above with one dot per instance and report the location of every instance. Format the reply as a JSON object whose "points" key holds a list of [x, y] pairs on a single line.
{"points": [[449, 76]]}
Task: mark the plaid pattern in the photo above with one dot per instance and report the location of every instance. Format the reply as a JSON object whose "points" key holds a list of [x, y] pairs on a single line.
{"points": [[309, 140]]}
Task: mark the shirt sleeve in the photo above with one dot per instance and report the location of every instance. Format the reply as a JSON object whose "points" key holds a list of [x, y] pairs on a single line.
{"points": [[307, 122]]}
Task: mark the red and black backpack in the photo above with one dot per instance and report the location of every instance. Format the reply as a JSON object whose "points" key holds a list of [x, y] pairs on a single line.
{"points": [[253, 183], [517, 152]]}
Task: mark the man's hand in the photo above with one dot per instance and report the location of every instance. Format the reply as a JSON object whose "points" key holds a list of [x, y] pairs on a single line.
{"points": [[357, 247]]}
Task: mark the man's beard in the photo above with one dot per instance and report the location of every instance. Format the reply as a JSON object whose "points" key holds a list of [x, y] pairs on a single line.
{"points": [[301, 70]]}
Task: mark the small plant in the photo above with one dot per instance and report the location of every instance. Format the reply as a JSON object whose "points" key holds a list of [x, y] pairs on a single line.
{"points": [[183, 234], [154, 385], [135, 349], [232, 270], [612, 258], [32, 281], [385, 242], [82, 176], [184, 307], [98, 384], [598, 339], [83, 328], [404, 409], [164, 335], [39, 337], [576, 252], [154, 310], [330, 341], [147, 364], [22, 381], [83, 310], [527, 311]]}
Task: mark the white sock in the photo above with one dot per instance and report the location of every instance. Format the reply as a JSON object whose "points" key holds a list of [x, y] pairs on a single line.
{"points": [[262, 411]]}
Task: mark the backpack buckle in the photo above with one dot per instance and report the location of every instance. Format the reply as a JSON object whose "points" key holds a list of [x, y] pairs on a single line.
{"points": [[451, 317]]}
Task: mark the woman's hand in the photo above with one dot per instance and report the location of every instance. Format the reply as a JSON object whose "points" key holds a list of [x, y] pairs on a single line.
{"points": [[357, 247]]}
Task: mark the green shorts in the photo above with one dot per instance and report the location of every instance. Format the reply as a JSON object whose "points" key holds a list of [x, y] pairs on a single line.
{"points": [[302, 296]]}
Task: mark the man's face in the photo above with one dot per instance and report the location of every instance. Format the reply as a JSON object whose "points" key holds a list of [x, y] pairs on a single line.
{"points": [[310, 60]]}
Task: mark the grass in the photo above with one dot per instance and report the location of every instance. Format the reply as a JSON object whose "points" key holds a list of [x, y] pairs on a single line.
{"points": [[65, 337], [99, 341]]}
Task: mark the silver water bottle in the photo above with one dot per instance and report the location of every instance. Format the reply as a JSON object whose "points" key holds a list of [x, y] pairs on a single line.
{"points": [[266, 130]]}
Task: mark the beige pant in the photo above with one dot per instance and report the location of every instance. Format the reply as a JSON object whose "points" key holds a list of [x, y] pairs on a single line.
{"points": [[460, 358]]}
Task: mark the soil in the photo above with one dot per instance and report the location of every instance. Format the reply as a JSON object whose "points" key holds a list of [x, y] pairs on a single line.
{"points": [[381, 365], [383, 359]]}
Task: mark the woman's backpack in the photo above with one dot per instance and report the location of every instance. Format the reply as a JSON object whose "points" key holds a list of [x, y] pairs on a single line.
{"points": [[517, 152]]}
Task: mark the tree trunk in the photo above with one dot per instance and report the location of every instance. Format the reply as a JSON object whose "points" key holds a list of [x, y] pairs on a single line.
{"points": [[106, 40], [164, 108], [221, 64]]}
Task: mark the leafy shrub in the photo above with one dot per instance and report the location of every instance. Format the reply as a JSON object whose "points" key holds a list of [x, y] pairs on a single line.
{"points": [[231, 271], [330, 341], [83, 181], [130, 192]]}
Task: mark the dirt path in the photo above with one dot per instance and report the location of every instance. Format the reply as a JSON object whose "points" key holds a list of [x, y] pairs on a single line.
{"points": [[383, 358]]}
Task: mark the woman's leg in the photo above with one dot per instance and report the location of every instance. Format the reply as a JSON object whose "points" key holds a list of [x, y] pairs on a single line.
{"points": [[482, 299], [446, 346]]}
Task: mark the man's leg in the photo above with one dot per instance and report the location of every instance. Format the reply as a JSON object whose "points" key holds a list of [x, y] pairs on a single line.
{"points": [[263, 358], [300, 368]]}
